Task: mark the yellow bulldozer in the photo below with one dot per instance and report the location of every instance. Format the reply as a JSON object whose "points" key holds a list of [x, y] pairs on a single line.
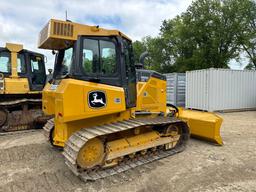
{"points": [[110, 116], [22, 79]]}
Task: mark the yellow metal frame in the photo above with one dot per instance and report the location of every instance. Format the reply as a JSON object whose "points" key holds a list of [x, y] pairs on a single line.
{"points": [[203, 125], [151, 95]]}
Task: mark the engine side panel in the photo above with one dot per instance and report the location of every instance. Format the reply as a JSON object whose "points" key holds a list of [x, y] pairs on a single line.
{"points": [[75, 99], [79, 104], [16, 86], [151, 95]]}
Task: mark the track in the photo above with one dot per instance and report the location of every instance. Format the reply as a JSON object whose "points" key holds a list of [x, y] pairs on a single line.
{"points": [[48, 127], [17, 132], [78, 139], [127, 164], [19, 101], [21, 114]]}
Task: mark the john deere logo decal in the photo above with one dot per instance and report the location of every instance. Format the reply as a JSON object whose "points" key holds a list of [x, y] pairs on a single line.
{"points": [[97, 99]]}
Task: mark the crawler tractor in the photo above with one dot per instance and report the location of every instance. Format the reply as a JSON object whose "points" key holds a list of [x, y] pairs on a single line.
{"points": [[22, 78], [108, 115]]}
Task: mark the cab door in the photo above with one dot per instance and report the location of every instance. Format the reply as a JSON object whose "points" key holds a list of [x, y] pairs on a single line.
{"points": [[99, 60]]}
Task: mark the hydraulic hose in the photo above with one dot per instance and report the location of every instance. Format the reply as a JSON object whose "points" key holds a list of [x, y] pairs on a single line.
{"points": [[173, 106]]}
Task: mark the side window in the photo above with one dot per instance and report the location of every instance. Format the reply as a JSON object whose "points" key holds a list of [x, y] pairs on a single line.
{"points": [[34, 65], [108, 57], [21, 66], [99, 56], [129, 61], [5, 62], [67, 61], [90, 55], [88, 60]]}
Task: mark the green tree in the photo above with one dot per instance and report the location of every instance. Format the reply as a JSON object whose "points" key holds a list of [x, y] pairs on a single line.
{"points": [[155, 48], [203, 36], [209, 34], [250, 66], [245, 20], [138, 49]]}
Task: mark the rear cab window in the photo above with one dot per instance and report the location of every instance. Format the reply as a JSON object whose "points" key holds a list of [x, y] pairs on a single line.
{"points": [[6, 66], [5, 62]]}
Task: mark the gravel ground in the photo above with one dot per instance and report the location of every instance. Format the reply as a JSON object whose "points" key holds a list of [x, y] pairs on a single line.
{"points": [[28, 163]]}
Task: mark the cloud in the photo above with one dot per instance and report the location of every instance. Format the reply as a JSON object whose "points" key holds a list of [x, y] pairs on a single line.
{"points": [[21, 21]]}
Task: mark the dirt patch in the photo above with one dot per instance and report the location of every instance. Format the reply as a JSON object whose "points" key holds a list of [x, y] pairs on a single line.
{"points": [[28, 163]]}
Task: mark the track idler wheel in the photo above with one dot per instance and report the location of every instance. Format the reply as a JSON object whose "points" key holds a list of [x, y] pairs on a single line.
{"points": [[174, 132], [91, 154]]}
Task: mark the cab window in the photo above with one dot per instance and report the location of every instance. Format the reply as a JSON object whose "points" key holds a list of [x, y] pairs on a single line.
{"points": [[99, 57], [67, 61], [108, 57], [90, 55], [5, 62], [21, 66], [63, 63], [34, 64]]}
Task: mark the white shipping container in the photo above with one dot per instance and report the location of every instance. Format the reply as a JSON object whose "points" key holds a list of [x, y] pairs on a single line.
{"points": [[176, 83], [221, 89]]}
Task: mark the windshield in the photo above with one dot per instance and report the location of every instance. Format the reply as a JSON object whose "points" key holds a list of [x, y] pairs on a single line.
{"points": [[63, 63]]}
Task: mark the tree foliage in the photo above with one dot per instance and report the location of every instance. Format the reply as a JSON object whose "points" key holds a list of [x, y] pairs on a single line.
{"points": [[138, 48], [209, 34], [245, 19]]}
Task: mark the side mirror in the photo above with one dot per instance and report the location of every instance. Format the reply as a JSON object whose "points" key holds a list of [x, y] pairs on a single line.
{"points": [[50, 71]]}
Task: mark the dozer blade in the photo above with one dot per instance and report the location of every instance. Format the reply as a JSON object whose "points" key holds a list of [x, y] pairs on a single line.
{"points": [[203, 125]]}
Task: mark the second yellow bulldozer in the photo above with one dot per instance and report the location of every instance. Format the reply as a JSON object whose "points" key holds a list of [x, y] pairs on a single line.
{"points": [[108, 115], [22, 79]]}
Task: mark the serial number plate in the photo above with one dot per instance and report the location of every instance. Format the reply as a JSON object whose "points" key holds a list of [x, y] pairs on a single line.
{"points": [[53, 87]]}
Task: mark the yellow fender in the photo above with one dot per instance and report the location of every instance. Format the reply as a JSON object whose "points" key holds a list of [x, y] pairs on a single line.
{"points": [[203, 125]]}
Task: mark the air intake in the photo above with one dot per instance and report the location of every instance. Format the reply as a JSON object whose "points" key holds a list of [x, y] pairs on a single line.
{"points": [[63, 29], [57, 35]]}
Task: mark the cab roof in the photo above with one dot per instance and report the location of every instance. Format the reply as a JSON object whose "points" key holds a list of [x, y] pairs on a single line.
{"points": [[59, 34]]}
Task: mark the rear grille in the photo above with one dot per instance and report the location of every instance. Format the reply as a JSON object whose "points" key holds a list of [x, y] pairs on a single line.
{"points": [[63, 29]]}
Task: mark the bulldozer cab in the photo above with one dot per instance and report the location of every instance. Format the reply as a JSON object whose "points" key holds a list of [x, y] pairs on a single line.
{"points": [[103, 57], [16, 62]]}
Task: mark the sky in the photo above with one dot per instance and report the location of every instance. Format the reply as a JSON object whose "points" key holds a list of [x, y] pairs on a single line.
{"points": [[21, 21]]}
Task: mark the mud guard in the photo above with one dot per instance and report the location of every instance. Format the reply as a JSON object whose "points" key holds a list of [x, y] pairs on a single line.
{"points": [[203, 125]]}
